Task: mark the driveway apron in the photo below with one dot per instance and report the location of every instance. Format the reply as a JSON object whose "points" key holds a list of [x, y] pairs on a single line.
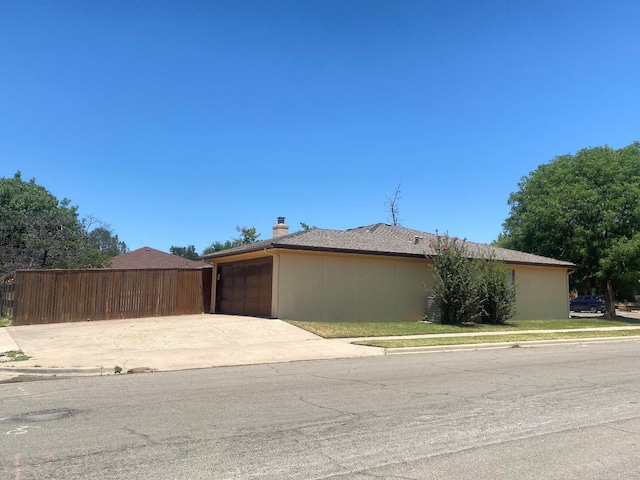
{"points": [[172, 343]]}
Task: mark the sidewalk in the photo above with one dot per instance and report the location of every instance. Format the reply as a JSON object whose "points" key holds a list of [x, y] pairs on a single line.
{"points": [[498, 345], [7, 343], [487, 334]]}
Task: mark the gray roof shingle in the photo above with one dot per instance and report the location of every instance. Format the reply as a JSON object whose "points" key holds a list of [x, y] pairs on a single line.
{"points": [[381, 239]]}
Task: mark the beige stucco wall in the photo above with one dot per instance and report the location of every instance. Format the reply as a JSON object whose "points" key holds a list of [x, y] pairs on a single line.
{"points": [[316, 286], [543, 293], [350, 288]]}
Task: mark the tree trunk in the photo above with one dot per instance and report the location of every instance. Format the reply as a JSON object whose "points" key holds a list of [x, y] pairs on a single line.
{"points": [[610, 300]]}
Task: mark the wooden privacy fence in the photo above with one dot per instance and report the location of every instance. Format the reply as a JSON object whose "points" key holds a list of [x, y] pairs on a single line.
{"points": [[54, 296]]}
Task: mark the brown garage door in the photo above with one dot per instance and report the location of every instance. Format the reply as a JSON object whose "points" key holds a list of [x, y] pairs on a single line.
{"points": [[244, 288]]}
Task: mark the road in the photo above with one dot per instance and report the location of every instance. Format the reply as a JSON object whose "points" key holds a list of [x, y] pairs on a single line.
{"points": [[559, 412]]}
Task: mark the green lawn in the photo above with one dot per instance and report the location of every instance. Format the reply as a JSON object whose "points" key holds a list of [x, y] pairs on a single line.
{"points": [[382, 329], [509, 339], [5, 321]]}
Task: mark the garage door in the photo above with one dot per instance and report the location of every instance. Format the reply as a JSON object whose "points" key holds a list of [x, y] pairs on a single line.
{"points": [[244, 288]]}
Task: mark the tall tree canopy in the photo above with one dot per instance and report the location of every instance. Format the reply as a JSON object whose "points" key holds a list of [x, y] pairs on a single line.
{"points": [[106, 241], [39, 231], [185, 252], [247, 235], [583, 208], [101, 236]]}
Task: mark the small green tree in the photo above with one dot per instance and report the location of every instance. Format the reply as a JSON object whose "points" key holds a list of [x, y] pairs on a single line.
{"points": [[247, 235], [306, 227]]}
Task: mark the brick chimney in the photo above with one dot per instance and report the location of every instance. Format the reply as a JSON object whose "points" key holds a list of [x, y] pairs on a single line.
{"points": [[280, 229]]}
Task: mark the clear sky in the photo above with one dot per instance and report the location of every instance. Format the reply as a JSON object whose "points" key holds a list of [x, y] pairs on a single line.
{"points": [[175, 121]]}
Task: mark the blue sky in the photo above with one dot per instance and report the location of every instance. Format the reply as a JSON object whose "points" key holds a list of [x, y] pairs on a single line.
{"points": [[175, 121]]}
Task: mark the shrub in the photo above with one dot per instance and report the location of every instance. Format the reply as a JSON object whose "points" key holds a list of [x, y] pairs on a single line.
{"points": [[455, 280], [468, 289], [496, 290]]}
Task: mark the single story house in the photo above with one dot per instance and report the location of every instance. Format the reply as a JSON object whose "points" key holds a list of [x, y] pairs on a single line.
{"points": [[147, 257], [373, 273]]}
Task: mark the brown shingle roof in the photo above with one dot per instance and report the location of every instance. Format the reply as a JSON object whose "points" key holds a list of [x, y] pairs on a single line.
{"points": [[382, 239], [147, 257]]}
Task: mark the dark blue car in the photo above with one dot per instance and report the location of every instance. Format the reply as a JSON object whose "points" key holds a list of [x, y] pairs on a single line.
{"points": [[587, 303]]}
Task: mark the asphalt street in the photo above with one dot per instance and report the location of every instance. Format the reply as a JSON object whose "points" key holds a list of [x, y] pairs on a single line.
{"points": [[559, 412]]}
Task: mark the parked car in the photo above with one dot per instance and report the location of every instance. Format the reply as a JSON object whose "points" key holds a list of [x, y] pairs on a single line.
{"points": [[588, 303]]}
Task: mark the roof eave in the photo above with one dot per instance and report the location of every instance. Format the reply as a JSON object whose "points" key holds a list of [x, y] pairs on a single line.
{"points": [[537, 264], [233, 251], [347, 250], [405, 255], [311, 248]]}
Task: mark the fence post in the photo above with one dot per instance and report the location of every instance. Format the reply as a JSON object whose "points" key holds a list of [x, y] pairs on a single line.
{"points": [[7, 288]]}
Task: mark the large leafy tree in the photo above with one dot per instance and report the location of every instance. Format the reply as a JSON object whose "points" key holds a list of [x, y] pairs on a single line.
{"points": [[39, 231], [583, 208]]}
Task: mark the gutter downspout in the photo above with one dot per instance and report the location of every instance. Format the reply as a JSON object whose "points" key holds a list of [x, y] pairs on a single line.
{"points": [[569, 272]]}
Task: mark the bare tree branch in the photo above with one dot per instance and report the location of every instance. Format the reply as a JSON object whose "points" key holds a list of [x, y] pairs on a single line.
{"points": [[392, 204]]}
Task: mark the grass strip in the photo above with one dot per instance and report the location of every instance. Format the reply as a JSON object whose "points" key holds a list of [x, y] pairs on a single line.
{"points": [[5, 321], [384, 329], [508, 339], [14, 356]]}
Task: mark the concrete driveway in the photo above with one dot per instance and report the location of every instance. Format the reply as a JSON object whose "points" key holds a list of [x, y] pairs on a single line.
{"points": [[168, 343]]}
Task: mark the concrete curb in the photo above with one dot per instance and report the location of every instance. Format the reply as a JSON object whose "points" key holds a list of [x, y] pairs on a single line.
{"points": [[503, 345], [78, 371]]}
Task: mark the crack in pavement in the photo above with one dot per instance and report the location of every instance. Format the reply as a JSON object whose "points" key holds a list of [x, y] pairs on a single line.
{"points": [[147, 438], [350, 380], [623, 430], [309, 402], [225, 334]]}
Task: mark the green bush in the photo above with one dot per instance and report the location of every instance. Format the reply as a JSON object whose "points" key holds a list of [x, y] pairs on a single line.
{"points": [[496, 291], [470, 289], [455, 281]]}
